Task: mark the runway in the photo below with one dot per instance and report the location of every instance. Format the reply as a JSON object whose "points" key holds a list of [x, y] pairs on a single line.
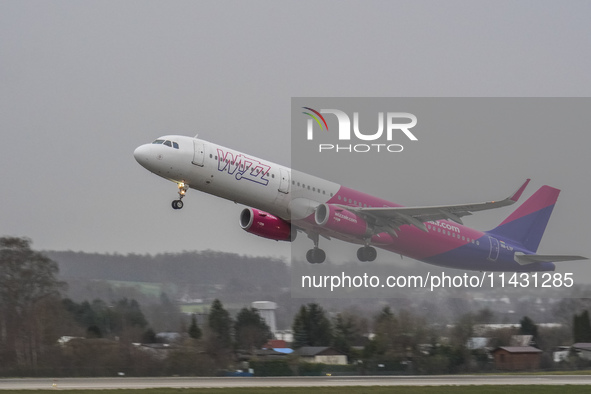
{"points": [[321, 381]]}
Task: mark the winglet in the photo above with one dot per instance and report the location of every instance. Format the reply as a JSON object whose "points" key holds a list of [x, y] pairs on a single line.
{"points": [[519, 191]]}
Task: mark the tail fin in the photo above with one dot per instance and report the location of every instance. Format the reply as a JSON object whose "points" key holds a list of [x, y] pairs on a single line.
{"points": [[527, 223]]}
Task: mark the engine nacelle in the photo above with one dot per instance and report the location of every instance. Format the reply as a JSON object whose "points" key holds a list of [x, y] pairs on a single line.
{"points": [[266, 225], [341, 220]]}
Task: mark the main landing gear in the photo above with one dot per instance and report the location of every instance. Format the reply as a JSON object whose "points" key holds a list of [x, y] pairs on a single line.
{"points": [[316, 255], [367, 253], [178, 204]]}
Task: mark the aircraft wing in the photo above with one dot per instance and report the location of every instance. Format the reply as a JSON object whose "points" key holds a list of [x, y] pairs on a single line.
{"points": [[391, 218]]}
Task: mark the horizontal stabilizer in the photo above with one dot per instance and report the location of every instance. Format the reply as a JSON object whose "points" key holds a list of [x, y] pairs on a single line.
{"points": [[525, 259]]}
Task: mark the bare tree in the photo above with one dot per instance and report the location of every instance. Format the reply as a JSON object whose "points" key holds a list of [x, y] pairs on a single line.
{"points": [[27, 279]]}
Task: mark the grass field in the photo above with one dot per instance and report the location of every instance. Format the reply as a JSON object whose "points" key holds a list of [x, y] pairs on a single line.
{"points": [[147, 288], [569, 389], [194, 308]]}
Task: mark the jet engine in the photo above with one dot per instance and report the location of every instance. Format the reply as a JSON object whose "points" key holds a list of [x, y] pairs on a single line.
{"points": [[341, 220], [266, 225]]}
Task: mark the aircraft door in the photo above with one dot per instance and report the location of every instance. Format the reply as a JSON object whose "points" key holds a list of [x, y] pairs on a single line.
{"points": [[494, 249], [199, 153], [284, 181]]}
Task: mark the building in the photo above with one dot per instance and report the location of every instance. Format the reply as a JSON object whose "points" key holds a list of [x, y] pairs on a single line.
{"points": [[583, 350], [522, 340], [561, 354], [321, 354], [516, 358]]}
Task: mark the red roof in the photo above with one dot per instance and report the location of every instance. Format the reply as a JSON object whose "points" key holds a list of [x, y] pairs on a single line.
{"points": [[275, 343]]}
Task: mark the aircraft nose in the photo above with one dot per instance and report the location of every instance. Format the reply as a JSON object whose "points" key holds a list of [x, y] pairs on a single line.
{"points": [[141, 153]]}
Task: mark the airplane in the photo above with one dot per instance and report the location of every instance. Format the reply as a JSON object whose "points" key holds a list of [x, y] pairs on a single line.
{"points": [[282, 202]]}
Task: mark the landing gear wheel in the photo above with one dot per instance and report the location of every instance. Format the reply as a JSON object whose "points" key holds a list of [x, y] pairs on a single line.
{"points": [[316, 256], [371, 253], [361, 254], [183, 187], [309, 256], [367, 253]]}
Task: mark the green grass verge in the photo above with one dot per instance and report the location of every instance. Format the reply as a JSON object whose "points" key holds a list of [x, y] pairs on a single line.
{"points": [[568, 389]]}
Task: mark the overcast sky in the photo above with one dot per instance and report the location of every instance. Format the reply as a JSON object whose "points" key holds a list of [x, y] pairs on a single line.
{"points": [[82, 84]]}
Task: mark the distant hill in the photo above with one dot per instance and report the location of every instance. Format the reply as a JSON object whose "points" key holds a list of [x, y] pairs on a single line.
{"points": [[199, 268]]}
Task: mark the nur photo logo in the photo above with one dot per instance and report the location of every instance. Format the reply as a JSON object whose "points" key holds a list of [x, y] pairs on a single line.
{"points": [[396, 124]]}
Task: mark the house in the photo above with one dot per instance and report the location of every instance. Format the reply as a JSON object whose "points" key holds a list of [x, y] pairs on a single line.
{"points": [[515, 358], [560, 353], [583, 349], [522, 340], [275, 343], [261, 355], [321, 354]]}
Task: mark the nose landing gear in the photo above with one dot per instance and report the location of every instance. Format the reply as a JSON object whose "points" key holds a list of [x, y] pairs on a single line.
{"points": [[178, 204]]}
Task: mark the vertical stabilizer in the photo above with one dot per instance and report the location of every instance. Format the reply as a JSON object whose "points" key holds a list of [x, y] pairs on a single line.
{"points": [[527, 223]]}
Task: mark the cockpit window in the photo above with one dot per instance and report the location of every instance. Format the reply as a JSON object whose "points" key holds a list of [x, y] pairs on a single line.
{"points": [[172, 144]]}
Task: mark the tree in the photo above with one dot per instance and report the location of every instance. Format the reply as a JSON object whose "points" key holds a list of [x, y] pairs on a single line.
{"points": [[130, 314], [582, 327], [27, 280], [164, 315], [194, 330], [300, 329], [149, 336], [250, 329], [462, 330], [346, 333], [124, 318], [528, 327], [220, 325], [311, 327], [484, 316], [386, 329], [218, 339]]}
